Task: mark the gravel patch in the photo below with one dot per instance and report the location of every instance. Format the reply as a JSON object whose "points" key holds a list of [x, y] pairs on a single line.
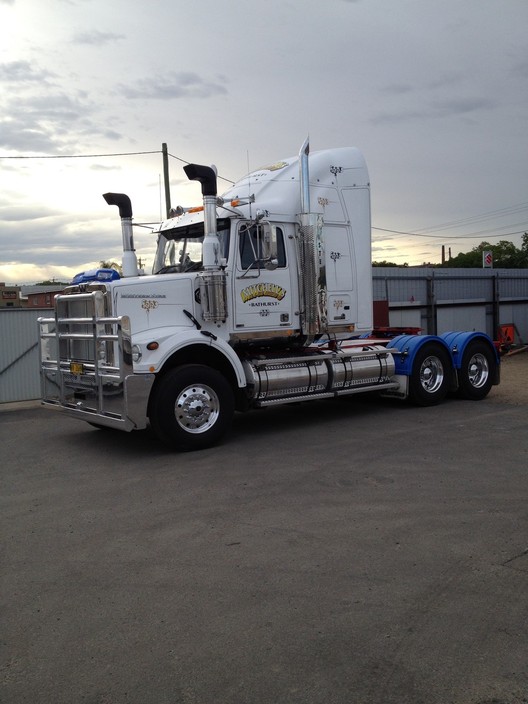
{"points": [[513, 388]]}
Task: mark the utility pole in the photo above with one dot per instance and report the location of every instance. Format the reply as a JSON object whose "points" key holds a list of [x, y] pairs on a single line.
{"points": [[166, 177]]}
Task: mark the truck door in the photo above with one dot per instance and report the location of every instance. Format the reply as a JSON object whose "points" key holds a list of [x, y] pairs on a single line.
{"points": [[263, 293]]}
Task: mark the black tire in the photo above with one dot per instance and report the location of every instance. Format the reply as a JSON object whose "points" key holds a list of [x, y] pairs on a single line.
{"points": [[431, 375], [191, 408], [475, 377]]}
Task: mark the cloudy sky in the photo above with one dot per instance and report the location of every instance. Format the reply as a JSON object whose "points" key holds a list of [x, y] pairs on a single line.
{"points": [[434, 93]]}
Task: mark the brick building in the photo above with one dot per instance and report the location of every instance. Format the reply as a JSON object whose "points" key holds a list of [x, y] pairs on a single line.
{"points": [[40, 296]]}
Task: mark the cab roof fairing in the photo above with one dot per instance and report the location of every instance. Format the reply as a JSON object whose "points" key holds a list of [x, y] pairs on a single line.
{"points": [[321, 164], [276, 188]]}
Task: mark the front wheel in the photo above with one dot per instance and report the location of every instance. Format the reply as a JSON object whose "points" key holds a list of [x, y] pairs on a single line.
{"points": [[192, 407], [431, 375], [475, 377]]}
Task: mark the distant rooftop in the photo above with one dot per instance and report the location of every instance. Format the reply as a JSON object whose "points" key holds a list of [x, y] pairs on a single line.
{"points": [[35, 288]]}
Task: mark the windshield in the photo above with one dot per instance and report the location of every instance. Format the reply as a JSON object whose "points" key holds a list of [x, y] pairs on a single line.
{"points": [[180, 249]]}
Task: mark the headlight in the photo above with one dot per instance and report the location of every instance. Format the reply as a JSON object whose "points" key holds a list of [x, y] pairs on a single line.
{"points": [[136, 353], [101, 351]]}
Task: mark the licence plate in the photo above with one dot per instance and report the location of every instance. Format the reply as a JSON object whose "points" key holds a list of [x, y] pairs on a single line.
{"points": [[76, 368]]}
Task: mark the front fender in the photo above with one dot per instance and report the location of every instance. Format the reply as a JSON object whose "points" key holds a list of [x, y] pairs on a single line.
{"points": [[173, 340]]}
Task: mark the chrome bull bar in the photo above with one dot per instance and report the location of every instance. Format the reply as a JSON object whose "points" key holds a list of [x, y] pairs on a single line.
{"points": [[86, 366]]}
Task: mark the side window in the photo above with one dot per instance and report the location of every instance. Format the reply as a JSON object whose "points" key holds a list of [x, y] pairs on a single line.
{"points": [[250, 246]]}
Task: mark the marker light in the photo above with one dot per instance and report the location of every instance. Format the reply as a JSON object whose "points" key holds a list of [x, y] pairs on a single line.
{"points": [[152, 346]]}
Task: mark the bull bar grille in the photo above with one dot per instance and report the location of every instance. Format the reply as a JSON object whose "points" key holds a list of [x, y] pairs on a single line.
{"points": [[85, 353]]}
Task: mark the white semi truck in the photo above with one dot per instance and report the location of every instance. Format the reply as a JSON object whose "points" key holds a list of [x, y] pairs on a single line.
{"points": [[262, 296]]}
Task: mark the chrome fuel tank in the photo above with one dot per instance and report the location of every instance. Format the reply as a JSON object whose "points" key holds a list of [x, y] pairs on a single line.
{"points": [[319, 373], [284, 378], [366, 367]]}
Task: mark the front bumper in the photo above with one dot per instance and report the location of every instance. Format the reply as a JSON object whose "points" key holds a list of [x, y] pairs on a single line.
{"points": [[117, 405]]}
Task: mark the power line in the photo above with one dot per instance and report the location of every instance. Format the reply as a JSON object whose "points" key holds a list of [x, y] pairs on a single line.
{"points": [[100, 156], [489, 215], [447, 237], [188, 162], [178, 158], [78, 156]]}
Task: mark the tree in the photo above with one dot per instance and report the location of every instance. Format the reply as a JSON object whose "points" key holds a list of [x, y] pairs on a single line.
{"points": [[111, 265], [505, 255]]}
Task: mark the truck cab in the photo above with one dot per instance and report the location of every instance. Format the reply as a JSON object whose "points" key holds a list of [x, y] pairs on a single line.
{"points": [[257, 225]]}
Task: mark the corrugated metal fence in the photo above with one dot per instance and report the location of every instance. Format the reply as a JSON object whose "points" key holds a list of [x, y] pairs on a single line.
{"points": [[435, 300], [440, 300], [19, 359]]}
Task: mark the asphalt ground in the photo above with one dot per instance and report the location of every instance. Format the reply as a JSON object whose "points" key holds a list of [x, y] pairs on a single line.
{"points": [[355, 552]]}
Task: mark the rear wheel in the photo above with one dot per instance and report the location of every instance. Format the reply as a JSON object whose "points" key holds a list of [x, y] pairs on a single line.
{"points": [[475, 377], [192, 407], [430, 378]]}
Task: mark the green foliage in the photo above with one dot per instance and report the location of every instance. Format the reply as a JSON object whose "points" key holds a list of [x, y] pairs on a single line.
{"points": [[505, 256], [104, 264]]}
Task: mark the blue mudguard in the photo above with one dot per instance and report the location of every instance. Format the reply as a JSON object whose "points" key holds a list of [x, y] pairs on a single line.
{"points": [[458, 341], [408, 346], [455, 344]]}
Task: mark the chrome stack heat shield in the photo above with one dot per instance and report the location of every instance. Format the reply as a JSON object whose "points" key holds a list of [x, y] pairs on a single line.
{"points": [[312, 269], [213, 296]]}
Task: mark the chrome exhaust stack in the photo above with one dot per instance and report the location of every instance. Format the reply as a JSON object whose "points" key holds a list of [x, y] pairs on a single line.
{"points": [[129, 265], [304, 176], [213, 281], [211, 245], [312, 269]]}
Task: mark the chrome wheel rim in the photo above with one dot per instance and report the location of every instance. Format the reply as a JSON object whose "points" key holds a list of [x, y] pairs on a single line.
{"points": [[478, 370], [197, 408], [431, 374]]}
